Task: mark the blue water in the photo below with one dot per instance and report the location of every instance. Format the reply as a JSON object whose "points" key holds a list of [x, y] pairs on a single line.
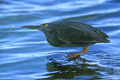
{"points": [[26, 55]]}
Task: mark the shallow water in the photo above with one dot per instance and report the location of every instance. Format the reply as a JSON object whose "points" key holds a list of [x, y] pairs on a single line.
{"points": [[26, 55]]}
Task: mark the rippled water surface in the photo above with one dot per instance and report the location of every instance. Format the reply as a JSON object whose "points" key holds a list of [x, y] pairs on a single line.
{"points": [[26, 55]]}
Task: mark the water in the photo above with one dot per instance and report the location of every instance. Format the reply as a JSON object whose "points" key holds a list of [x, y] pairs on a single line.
{"points": [[25, 54]]}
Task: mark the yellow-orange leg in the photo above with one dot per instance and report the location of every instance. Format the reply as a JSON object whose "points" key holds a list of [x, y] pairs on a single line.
{"points": [[85, 49]]}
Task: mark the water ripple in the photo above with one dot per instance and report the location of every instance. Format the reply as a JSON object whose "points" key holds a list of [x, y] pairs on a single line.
{"points": [[26, 55]]}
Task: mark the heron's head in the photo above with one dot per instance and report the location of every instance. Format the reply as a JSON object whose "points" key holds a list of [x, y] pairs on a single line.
{"points": [[43, 27], [46, 27]]}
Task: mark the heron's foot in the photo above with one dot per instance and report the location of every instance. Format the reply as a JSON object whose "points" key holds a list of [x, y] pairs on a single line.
{"points": [[85, 49], [74, 56]]}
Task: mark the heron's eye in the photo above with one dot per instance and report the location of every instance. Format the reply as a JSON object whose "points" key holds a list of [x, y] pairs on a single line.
{"points": [[46, 25]]}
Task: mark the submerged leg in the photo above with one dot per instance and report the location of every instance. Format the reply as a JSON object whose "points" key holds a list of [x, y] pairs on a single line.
{"points": [[85, 49]]}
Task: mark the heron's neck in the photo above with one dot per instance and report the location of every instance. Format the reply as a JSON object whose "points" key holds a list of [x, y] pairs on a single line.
{"points": [[48, 33]]}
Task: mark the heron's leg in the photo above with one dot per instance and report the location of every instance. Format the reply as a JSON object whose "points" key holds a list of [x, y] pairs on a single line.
{"points": [[85, 49]]}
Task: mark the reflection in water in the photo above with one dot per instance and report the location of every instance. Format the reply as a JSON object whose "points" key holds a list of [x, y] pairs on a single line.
{"points": [[62, 70]]}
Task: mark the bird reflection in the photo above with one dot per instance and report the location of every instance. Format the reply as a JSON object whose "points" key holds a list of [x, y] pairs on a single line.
{"points": [[73, 71]]}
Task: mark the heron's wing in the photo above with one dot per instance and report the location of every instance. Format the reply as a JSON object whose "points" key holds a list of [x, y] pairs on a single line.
{"points": [[75, 35], [84, 27]]}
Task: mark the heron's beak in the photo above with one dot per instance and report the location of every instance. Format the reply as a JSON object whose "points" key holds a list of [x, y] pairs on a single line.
{"points": [[33, 27]]}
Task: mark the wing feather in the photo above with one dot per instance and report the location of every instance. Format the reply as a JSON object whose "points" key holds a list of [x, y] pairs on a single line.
{"points": [[73, 35]]}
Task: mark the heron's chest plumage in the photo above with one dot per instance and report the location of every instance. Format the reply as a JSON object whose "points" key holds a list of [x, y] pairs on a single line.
{"points": [[53, 39]]}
